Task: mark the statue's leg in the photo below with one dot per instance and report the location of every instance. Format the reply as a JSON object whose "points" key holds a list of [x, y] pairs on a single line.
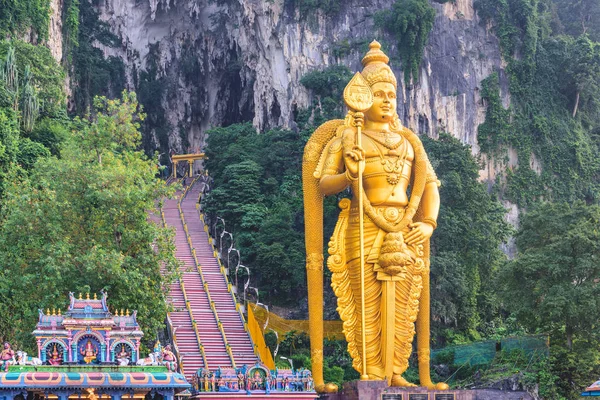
{"points": [[375, 369], [423, 337], [408, 291]]}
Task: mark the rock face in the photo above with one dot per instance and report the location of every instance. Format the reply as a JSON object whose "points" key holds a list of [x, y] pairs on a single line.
{"points": [[55, 37], [233, 61]]}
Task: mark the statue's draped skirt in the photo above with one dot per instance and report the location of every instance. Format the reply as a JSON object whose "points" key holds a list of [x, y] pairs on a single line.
{"points": [[386, 355]]}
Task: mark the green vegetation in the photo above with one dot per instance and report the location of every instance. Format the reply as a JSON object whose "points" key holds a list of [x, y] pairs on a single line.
{"points": [[552, 287], [553, 74], [46, 78], [73, 200], [410, 21], [306, 7], [94, 75], [79, 223], [465, 247], [553, 80], [18, 16]]}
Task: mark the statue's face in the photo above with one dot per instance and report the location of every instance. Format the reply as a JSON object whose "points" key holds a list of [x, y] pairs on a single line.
{"points": [[384, 102]]}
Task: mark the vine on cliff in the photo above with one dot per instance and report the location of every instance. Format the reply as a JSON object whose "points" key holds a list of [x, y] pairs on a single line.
{"points": [[542, 125], [18, 16], [410, 21]]}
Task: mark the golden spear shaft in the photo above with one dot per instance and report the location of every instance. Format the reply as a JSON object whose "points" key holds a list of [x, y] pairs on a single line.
{"points": [[361, 235], [359, 98]]}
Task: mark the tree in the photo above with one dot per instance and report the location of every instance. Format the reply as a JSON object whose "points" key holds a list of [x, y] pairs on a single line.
{"points": [[78, 224], [465, 247], [552, 284], [579, 17], [584, 68]]}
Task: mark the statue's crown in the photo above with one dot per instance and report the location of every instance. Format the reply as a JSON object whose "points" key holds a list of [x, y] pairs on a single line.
{"points": [[376, 68]]}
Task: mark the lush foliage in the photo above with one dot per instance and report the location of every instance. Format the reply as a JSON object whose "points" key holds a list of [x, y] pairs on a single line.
{"points": [[410, 21], [577, 17], [552, 287], [93, 74], [307, 7], [552, 127], [46, 77], [31, 104], [79, 223], [552, 121], [466, 245], [18, 16]]}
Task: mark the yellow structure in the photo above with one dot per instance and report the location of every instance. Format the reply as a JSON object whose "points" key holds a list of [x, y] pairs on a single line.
{"points": [[258, 339], [189, 158], [331, 329], [379, 251]]}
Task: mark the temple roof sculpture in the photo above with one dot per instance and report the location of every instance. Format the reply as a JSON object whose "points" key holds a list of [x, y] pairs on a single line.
{"points": [[88, 351], [87, 332]]}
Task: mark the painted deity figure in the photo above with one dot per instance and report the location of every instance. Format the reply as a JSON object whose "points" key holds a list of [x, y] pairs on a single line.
{"points": [[212, 382], [400, 208], [89, 352], [55, 358], [286, 384], [241, 381], [7, 357], [169, 359], [123, 356]]}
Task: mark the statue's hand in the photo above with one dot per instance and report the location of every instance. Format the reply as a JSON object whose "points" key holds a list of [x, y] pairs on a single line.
{"points": [[420, 232], [352, 158], [353, 154]]}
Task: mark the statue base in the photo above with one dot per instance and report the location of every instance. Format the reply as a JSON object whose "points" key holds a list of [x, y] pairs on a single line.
{"points": [[379, 390]]}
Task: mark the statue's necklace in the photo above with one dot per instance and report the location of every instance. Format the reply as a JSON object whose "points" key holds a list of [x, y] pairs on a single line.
{"points": [[387, 139], [392, 166]]}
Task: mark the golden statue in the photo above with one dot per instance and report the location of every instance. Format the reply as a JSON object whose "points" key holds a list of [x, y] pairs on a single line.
{"points": [[380, 298]]}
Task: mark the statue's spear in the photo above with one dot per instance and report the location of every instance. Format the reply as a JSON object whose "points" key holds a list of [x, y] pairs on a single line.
{"points": [[359, 98]]}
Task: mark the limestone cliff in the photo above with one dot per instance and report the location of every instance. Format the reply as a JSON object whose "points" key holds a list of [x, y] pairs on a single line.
{"points": [[233, 61]]}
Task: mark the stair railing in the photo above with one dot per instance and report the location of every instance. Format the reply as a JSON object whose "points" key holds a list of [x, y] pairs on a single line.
{"points": [[204, 282], [211, 242], [187, 305]]}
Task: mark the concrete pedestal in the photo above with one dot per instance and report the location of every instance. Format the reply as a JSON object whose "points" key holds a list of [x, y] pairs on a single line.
{"points": [[378, 390]]}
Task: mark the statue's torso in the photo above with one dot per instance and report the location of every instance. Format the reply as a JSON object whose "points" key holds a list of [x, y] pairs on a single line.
{"points": [[388, 168]]}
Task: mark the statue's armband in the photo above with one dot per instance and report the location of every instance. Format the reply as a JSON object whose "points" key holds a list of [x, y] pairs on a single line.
{"points": [[334, 162]]}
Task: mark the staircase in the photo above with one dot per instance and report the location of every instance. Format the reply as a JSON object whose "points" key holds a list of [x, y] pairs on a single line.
{"points": [[184, 331], [242, 349], [207, 327]]}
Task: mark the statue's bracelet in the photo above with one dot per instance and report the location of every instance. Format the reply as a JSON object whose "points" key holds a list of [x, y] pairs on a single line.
{"points": [[430, 221], [349, 177]]}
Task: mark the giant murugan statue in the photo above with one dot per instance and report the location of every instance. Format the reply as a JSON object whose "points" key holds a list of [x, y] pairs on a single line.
{"points": [[379, 251]]}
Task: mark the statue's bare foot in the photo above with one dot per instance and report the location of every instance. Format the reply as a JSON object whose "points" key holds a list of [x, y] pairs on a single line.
{"points": [[398, 380], [436, 386], [326, 388]]}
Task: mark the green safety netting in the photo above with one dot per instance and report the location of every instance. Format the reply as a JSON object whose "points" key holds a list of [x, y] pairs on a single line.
{"points": [[485, 351]]}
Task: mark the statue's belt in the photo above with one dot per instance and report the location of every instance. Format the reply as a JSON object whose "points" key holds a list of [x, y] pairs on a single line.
{"points": [[392, 214]]}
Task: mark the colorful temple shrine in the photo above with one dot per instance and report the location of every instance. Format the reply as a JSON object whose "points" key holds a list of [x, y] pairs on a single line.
{"points": [[89, 353], [87, 333], [592, 391]]}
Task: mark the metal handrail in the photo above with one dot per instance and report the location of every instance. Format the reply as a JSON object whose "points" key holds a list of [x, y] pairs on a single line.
{"points": [[187, 302], [199, 269], [211, 242]]}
